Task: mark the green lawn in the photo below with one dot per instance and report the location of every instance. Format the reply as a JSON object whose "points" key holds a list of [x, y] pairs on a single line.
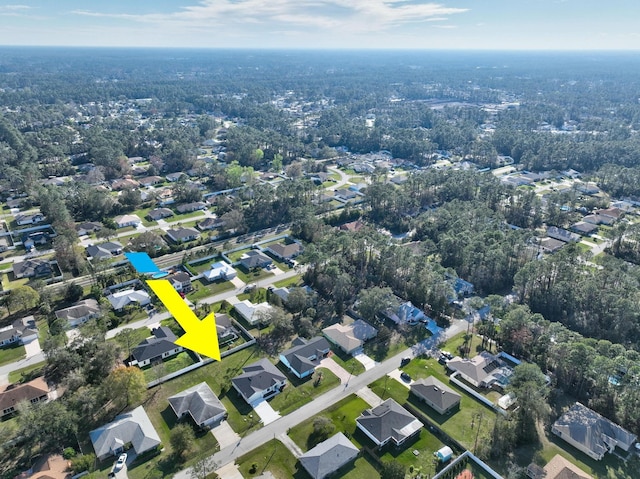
{"points": [[343, 415], [6, 266], [298, 394], [131, 338], [348, 363], [272, 456], [27, 372], [289, 282], [142, 214], [174, 220], [236, 255], [458, 424], [203, 289], [169, 365], [10, 354], [254, 275]]}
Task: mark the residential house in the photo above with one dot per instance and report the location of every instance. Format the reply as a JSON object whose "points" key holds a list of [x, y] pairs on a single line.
{"points": [[181, 281], [587, 188], [406, 313], [220, 270], [88, 227], [124, 298], [182, 235], [345, 194], [584, 228], [462, 287], [38, 237], [596, 219], [353, 226], [200, 403], [591, 433], [550, 245], [612, 212], [21, 331], [209, 224], [104, 250], [285, 251], [123, 221], [252, 313], [305, 355], [133, 428], [388, 423], [4, 243], [32, 268], [255, 259], [34, 391], [562, 234], [259, 380], [282, 293], [328, 457], [29, 219], [80, 312], [55, 181], [155, 348], [189, 207], [124, 184], [48, 466], [478, 370], [159, 213], [173, 177], [351, 337], [557, 468], [436, 394], [150, 180], [227, 333]]}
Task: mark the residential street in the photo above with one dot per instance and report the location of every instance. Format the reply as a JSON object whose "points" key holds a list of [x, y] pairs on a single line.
{"points": [[281, 426]]}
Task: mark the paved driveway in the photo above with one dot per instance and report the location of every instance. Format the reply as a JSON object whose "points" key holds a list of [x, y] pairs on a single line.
{"points": [[366, 361], [335, 368], [266, 412], [225, 435], [32, 348]]}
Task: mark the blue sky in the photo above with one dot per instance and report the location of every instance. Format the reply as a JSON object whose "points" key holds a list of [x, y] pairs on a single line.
{"points": [[405, 24]]}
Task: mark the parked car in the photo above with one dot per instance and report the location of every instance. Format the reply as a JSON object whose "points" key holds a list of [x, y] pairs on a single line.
{"points": [[442, 359], [446, 354], [120, 462], [405, 377], [404, 361]]}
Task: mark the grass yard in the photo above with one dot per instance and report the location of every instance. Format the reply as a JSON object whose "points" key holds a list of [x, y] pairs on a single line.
{"points": [[280, 264], [174, 220], [348, 363], [131, 338], [236, 255], [256, 296], [289, 282], [142, 214], [27, 372], [251, 276], [11, 354], [168, 366], [272, 456], [202, 266], [6, 266], [298, 394], [203, 289], [343, 415]]}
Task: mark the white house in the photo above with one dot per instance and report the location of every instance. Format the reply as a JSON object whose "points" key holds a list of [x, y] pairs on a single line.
{"points": [[124, 298], [220, 270], [123, 221]]}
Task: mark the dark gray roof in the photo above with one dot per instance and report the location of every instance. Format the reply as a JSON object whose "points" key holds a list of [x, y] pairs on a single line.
{"points": [[162, 342], [181, 234], [199, 402], [389, 420], [254, 259], [160, 213], [298, 356], [32, 267], [592, 430], [329, 456], [285, 250], [134, 427], [435, 392], [257, 377], [81, 309]]}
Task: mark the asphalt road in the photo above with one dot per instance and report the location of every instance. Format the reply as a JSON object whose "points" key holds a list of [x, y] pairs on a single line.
{"points": [[282, 425]]}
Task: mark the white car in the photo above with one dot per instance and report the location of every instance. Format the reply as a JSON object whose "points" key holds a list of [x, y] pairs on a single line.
{"points": [[120, 462]]}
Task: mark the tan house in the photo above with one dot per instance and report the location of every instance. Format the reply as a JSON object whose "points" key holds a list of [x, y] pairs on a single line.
{"points": [[34, 391]]}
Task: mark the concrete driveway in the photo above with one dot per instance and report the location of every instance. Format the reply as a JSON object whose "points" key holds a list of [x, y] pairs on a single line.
{"points": [[395, 374], [266, 412], [366, 361], [225, 435], [32, 348], [336, 369]]}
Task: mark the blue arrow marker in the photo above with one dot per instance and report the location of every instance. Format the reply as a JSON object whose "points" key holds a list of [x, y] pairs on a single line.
{"points": [[142, 263]]}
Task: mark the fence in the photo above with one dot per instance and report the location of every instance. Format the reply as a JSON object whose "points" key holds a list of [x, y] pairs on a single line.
{"points": [[454, 379]]}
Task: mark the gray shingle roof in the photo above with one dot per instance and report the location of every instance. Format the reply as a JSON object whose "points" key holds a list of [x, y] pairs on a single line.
{"points": [[389, 420], [328, 456], [199, 402], [257, 377], [592, 430], [134, 427], [435, 392], [298, 356], [162, 342]]}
